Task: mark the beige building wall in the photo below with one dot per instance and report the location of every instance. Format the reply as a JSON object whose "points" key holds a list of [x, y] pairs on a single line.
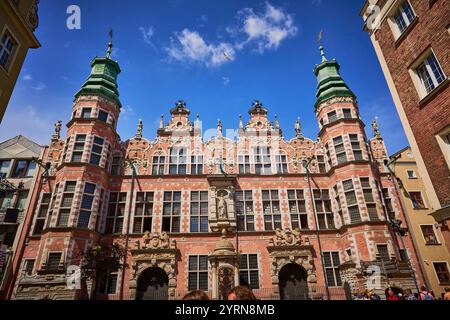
{"points": [[18, 20], [406, 169]]}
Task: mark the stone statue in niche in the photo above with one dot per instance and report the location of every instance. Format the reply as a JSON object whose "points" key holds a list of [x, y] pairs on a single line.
{"points": [[222, 211]]}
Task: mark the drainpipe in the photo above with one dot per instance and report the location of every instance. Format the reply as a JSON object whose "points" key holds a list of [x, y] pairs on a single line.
{"points": [[308, 174], [408, 222], [127, 232]]}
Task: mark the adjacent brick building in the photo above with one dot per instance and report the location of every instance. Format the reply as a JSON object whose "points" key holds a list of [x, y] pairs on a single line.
{"points": [[310, 218], [412, 41]]}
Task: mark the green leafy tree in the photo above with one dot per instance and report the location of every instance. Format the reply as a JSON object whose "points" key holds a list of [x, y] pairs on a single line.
{"points": [[99, 260]]}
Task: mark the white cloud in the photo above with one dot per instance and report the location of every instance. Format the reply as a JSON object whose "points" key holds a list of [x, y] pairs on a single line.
{"points": [[147, 35], [39, 86], [191, 47], [267, 29], [226, 81], [29, 122], [27, 77]]}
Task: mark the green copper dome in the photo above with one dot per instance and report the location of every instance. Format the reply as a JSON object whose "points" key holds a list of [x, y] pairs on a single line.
{"points": [[103, 78], [330, 82]]}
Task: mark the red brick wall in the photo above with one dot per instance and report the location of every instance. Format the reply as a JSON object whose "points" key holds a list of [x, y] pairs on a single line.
{"points": [[426, 119]]}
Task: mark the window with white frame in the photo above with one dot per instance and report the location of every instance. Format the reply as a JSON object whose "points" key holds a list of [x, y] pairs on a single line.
{"points": [[197, 164], [263, 161], [430, 73], [28, 267], [383, 252], [271, 206], [116, 165], [244, 210], [53, 261], [199, 211], [388, 203], [297, 209], [281, 163], [177, 164], [96, 152], [116, 212], [143, 212], [108, 283], [66, 204], [171, 211], [244, 164], [332, 116], [369, 199], [429, 234], [404, 16], [86, 113], [442, 272], [42, 214], [352, 202], [8, 47], [78, 148], [86, 205], [339, 149], [332, 262], [198, 273], [325, 215], [411, 174], [347, 113], [356, 147], [158, 165], [249, 271], [103, 116], [321, 164], [417, 200]]}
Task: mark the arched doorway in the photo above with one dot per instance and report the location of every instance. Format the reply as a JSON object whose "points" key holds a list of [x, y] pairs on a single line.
{"points": [[293, 283], [153, 284]]}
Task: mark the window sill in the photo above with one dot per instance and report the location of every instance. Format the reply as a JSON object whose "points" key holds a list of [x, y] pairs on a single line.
{"points": [[433, 244], [405, 32], [433, 93]]}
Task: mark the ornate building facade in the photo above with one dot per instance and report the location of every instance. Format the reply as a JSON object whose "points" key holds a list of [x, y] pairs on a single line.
{"points": [[18, 23], [292, 219]]}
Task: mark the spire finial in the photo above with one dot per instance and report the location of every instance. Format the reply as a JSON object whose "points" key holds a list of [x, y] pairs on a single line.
{"points": [[219, 128], [197, 121], [110, 45], [140, 127], [161, 122], [298, 129], [277, 123], [241, 123], [322, 51]]}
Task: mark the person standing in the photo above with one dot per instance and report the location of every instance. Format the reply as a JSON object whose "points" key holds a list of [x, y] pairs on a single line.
{"points": [[425, 295], [447, 294]]}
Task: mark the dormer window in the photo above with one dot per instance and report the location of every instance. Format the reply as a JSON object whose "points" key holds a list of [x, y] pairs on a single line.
{"points": [[404, 16]]}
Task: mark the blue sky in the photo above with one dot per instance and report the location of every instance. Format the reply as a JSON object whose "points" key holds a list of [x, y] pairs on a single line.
{"points": [[170, 50]]}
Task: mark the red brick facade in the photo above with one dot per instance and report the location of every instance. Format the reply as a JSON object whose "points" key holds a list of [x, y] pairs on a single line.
{"points": [[354, 184], [428, 116]]}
